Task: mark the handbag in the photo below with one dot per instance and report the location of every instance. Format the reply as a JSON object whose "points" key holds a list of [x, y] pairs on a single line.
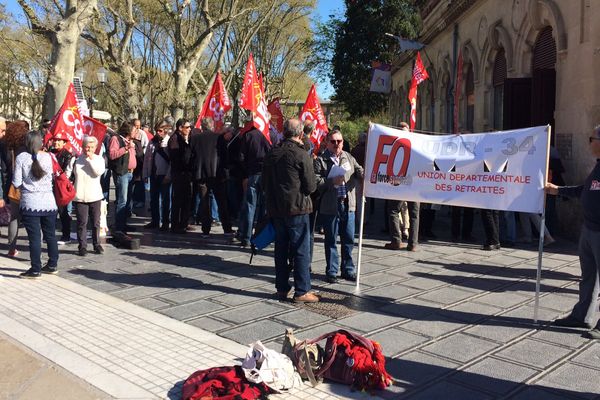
{"points": [[64, 191], [270, 367], [307, 358], [353, 360], [14, 194], [5, 215]]}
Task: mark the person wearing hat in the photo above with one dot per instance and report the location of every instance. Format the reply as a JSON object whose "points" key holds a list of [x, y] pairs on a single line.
{"points": [[584, 312], [65, 159]]}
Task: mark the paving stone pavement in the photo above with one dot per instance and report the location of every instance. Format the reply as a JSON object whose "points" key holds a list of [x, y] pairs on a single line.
{"points": [[455, 322]]}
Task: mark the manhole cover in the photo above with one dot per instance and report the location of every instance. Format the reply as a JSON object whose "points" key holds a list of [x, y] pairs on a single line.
{"points": [[339, 305]]}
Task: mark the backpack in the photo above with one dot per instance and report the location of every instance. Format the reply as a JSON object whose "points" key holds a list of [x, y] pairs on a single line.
{"points": [[307, 358], [64, 191], [353, 360], [222, 383]]}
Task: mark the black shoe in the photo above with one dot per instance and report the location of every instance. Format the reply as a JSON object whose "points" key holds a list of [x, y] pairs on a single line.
{"points": [[331, 279], [571, 322], [490, 247], [164, 227], [49, 270], [98, 249], [349, 277], [151, 225], [592, 334], [30, 274], [411, 247], [82, 252]]}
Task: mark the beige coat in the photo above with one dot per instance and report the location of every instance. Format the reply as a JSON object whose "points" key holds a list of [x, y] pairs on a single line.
{"points": [[87, 178]]}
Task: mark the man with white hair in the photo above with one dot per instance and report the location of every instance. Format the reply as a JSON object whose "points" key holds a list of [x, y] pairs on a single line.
{"points": [[583, 313]]}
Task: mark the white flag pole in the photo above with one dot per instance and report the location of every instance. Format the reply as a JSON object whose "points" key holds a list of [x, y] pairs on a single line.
{"points": [[362, 220], [538, 277]]}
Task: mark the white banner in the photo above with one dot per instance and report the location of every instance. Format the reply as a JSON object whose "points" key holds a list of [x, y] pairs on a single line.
{"points": [[503, 170]]}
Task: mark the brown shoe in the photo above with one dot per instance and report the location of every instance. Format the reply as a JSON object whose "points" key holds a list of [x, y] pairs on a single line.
{"points": [[307, 298], [395, 246]]}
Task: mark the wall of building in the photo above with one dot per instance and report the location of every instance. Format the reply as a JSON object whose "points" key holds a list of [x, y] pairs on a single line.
{"points": [[486, 27]]}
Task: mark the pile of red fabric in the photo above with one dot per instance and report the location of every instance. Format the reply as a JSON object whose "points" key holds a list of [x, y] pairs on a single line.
{"points": [[369, 368], [222, 383]]}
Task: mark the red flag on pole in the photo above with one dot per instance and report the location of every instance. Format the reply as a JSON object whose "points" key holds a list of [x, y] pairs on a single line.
{"points": [[69, 121], [262, 82], [216, 104], [312, 112], [276, 115], [419, 74], [253, 99], [95, 128], [457, 87]]}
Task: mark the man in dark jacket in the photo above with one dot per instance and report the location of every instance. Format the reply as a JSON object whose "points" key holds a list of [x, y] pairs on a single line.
{"points": [[288, 180], [206, 165], [182, 168], [254, 148], [584, 312]]}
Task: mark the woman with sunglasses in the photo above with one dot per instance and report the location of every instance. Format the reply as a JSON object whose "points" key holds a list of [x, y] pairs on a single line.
{"points": [[157, 169], [180, 154]]}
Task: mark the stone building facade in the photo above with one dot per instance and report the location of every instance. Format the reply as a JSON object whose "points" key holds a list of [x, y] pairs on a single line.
{"points": [[525, 63]]}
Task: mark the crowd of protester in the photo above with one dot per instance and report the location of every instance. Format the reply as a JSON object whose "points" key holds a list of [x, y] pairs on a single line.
{"points": [[199, 176]]}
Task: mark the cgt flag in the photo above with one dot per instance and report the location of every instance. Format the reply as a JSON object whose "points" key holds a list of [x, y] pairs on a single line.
{"points": [[69, 121], [95, 128], [276, 115], [312, 112], [419, 74], [253, 99], [216, 104]]}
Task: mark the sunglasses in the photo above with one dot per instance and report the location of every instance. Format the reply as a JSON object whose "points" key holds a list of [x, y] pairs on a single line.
{"points": [[186, 126], [593, 138], [332, 141], [160, 130]]}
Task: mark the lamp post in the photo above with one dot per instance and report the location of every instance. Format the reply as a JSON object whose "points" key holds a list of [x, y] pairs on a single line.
{"points": [[102, 77]]}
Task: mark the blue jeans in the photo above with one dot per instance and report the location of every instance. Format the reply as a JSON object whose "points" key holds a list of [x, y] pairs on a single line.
{"points": [[250, 208], [123, 189], [160, 200], [214, 208], [508, 227], [35, 226], [342, 223], [292, 240]]}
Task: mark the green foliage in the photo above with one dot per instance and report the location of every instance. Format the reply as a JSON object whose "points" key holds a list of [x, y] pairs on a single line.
{"points": [[359, 40], [352, 127]]}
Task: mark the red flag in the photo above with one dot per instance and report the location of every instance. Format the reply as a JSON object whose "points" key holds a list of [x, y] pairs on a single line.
{"points": [[253, 99], [95, 128], [459, 68], [312, 112], [216, 104], [69, 121], [276, 114], [419, 74], [262, 82]]}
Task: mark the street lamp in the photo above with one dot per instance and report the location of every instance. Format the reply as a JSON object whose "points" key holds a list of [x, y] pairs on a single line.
{"points": [[102, 77]]}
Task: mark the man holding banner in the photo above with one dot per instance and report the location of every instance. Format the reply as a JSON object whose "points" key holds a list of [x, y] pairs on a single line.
{"points": [[584, 311]]}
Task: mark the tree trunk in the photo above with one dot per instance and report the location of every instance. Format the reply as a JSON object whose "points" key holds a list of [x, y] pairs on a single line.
{"points": [[62, 58]]}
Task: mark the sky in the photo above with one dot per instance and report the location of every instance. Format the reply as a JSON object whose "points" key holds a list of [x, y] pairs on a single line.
{"points": [[323, 10]]}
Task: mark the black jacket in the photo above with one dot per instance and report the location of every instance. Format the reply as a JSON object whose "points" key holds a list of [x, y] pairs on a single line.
{"points": [[180, 153], [288, 179], [254, 148], [204, 149], [589, 193]]}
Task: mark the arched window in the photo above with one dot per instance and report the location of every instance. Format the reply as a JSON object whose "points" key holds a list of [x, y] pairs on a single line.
{"points": [[498, 78], [469, 99]]}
